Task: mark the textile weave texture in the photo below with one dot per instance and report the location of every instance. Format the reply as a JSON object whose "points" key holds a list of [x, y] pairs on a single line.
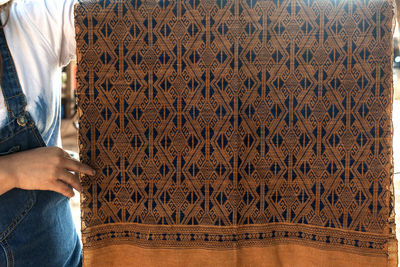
{"points": [[238, 133]]}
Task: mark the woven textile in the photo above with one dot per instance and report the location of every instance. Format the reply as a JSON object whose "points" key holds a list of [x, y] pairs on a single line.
{"points": [[236, 133]]}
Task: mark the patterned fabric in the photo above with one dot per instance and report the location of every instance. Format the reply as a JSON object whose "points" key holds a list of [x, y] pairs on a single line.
{"points": [[235, 130]]}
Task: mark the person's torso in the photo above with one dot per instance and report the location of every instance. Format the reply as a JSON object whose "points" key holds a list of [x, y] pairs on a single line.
{"points": [[37, 64]]}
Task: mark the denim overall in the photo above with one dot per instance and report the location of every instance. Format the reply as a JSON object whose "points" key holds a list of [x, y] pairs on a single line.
{"points": [[36, 227]]}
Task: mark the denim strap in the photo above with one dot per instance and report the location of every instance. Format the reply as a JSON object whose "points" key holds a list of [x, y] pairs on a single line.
{"points": [[14, 98]]}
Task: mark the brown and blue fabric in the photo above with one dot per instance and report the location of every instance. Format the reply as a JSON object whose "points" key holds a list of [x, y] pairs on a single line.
{"points": [[236, 133]]}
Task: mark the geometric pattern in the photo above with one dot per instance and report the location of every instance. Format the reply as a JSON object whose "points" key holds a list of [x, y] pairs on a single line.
{"points": [[236, 123]]}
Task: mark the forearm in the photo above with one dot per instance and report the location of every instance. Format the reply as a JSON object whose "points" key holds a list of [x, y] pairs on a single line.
{"points": [[7, 181]]}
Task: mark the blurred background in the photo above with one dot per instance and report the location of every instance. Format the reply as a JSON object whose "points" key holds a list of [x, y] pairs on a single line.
{"points": [[69, 127]]}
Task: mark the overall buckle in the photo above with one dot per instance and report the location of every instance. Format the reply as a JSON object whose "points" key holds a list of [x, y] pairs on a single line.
{"points": [[21, 120]]}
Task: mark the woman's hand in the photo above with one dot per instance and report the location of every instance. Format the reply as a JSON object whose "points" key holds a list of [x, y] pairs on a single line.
{"points": [[45, 168]]}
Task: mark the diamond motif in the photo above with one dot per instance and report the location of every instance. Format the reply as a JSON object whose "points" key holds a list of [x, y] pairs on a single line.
{"points": [[179, 142], [91, 57], [150, 57], [207, 113], [293, 27], [292, 83], [290, 198], [120, 29], [348, 139], [151, 112], [262, 168], [92, 112], [208, 57], [376, 110], [179, 83], [348, 82], [208, 4], [236, 83], [150, 4], [264, 55], [234, 198], [318, 167], [346, 197], [377, 168], [123, 195], [378, 53], [121, 139], [291, 140], [321, 56], [262, 111], [236, 28], [207, 169], [266, 6], [179, 197], [151, 169], [319, 110], [350, 26], [179, 30]]}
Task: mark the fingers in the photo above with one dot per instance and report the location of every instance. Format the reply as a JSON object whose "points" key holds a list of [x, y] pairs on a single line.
{"points": [[68, 165], [45, 168], [70, 179], [76, 166], [63, 189]]}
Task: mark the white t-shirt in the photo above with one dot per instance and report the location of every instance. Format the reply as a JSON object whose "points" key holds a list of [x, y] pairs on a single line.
{"points": [[41, 37]]}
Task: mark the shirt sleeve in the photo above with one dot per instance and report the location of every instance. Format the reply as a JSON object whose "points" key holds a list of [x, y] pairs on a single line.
{"points": [[68, 42], [54, 20]]}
